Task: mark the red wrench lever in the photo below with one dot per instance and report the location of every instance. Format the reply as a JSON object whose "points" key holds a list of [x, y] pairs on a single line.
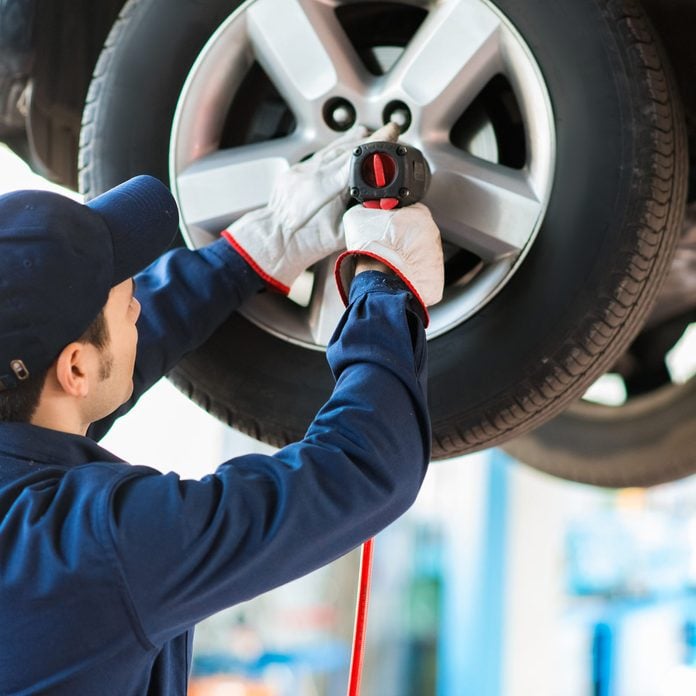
{"points": [[376, 171]]}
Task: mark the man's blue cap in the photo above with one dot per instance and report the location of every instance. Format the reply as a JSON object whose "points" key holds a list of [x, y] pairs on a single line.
{"points": [[59, 259]]}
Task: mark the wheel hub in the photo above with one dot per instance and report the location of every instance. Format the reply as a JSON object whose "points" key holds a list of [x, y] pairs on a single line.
{"points": [[434, 83]]}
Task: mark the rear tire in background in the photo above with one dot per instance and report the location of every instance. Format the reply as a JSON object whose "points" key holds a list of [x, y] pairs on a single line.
{"points": [[637, 424], [648, 441], [570, 308]]}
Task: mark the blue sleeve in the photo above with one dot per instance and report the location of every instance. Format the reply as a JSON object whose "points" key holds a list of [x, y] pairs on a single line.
{"points": [[185, 296], [191, 548]]}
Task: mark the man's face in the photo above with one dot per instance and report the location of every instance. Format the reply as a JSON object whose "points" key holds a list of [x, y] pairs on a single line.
{"points": [[117, 359]]}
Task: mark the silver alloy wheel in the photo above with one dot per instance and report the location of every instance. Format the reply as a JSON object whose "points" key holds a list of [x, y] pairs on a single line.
{"points": [[481, 206]]}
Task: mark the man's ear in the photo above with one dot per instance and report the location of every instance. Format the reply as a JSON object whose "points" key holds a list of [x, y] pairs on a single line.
{"points": [[72, 371]]}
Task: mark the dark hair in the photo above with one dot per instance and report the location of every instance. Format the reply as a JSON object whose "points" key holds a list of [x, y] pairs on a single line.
{"points": [[18, 405], [97, 333]]}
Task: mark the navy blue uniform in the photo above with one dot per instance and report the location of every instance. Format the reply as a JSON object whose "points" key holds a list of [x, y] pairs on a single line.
{"points": [[106, 567]]}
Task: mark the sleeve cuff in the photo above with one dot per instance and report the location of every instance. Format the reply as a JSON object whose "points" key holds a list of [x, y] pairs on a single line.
{"points": [[377, 281], [240, 272]]}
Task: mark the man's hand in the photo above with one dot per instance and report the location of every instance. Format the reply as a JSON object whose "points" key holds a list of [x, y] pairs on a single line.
{"points": [[406, 240], [302, 222]]}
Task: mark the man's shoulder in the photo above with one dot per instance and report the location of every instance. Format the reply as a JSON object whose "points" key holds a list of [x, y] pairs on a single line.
{"points": [[21, 477]]}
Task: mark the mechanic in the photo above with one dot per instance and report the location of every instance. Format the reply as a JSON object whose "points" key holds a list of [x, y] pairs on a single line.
{"points": [[106, 567]]}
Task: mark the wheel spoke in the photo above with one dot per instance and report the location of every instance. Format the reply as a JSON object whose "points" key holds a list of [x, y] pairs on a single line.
{"points": [[485, 208], [326, 307], [219, 188], [449, 60], [303, 49]]}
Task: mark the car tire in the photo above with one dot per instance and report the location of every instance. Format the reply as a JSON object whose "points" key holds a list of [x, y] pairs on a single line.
{"points": [[573, 304]]}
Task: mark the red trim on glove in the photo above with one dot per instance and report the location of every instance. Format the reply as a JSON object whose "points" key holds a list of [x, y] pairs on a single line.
{"points": [[275, 284], [396, 271]]}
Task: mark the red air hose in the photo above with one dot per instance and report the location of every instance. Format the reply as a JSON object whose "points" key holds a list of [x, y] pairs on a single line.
{"points": [[379, 171], [356, 659]]}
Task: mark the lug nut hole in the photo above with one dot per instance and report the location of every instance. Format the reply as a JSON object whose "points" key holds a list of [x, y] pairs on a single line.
{"points": [[339, 114], [399, 113]]}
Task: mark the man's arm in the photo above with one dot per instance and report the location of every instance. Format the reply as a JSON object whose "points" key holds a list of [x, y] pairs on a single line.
{"points": [[186, 295], [190, 548]]}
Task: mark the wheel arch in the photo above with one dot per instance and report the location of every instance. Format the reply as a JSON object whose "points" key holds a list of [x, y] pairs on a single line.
{"points": [[68, 37]]}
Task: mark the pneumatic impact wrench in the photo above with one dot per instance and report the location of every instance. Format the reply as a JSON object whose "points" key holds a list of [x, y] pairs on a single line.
{"points": [[388, 175]]}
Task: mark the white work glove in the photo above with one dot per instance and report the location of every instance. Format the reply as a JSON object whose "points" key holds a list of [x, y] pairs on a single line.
{"points": [[406, 240], [302, 222]]}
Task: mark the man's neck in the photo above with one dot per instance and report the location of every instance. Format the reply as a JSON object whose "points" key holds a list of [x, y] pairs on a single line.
{"points": [[59, 416]]}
